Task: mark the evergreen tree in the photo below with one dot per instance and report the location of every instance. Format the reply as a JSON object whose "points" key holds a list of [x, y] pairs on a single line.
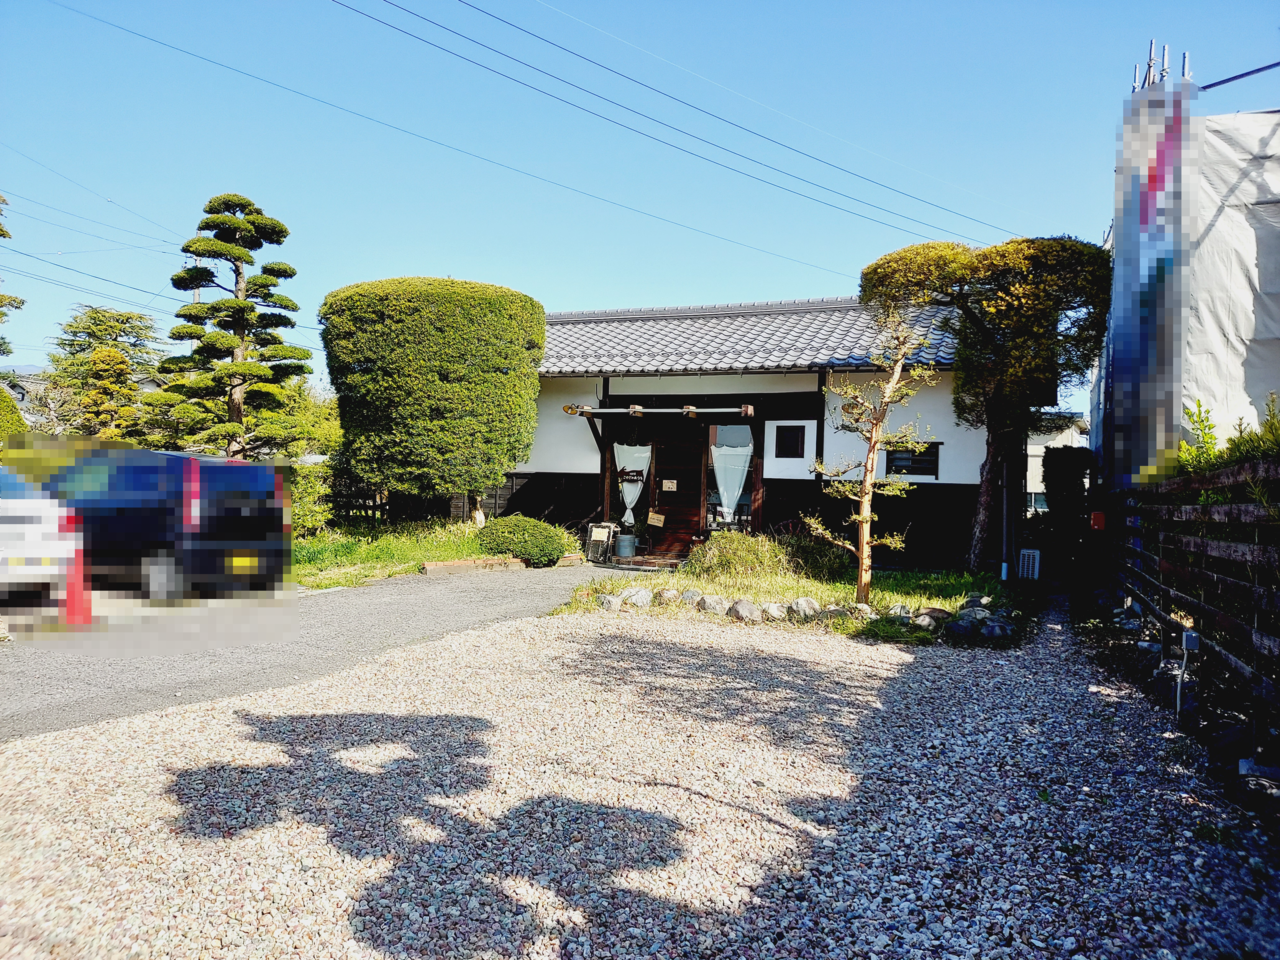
{"points": [[7, 302], [53, 406], [110, 396], [1027, 314], [239, 363], [132, 335]]}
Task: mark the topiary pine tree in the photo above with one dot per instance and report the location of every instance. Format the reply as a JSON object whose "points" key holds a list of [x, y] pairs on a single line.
{"points": [[239, 362]]}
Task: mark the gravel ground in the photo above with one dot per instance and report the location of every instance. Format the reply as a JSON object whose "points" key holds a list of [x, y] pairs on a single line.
{"points": [[626, 786]]}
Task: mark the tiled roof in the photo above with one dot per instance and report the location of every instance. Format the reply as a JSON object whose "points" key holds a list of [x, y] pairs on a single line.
{"points": [[777, 335]]}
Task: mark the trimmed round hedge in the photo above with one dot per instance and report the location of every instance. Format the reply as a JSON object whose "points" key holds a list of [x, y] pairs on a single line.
{"points": [[437, 380], [538, 543]]}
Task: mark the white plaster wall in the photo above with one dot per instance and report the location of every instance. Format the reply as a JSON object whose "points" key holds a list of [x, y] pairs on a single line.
{"points": [[564, 444], [694, 384], [963, 450]]}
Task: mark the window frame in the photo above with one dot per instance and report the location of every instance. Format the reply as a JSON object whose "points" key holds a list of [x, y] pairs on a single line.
{"points": [[932, 451]]}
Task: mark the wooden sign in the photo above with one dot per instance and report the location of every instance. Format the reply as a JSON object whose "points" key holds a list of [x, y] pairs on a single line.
{"points": [[656, 519], [668, 486]]}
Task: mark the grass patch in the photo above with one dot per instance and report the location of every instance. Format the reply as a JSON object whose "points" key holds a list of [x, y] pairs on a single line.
{"points": [[765, 570], [945, 590], [350, 556]]}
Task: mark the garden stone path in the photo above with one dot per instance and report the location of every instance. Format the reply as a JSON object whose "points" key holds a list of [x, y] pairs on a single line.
{"points": [[47, 690]]}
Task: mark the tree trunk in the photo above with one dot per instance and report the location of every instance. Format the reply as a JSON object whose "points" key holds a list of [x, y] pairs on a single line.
{"points": [[987, 514], [235, 399], [865, 493]]}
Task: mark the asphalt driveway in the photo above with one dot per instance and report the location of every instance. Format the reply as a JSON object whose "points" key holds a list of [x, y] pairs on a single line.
{"points": [[48, 689]]}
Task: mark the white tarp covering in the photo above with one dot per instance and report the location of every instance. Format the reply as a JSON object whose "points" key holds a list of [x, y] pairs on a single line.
{"points": [[731, 460], [1231, 357], [631, 458], [1195, 306]]}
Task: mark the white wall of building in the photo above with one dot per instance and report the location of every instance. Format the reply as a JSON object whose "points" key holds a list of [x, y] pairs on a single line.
{"points": [[564, 444], [963, 450]]}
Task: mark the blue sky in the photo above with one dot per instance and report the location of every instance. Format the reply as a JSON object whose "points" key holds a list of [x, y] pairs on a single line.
{"points": [[1003, 112]]}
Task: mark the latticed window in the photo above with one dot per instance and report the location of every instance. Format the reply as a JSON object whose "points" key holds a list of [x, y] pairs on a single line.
{"points": [[922, 463]]}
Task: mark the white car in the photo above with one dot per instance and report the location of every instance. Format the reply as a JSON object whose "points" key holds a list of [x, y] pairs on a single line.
{"points": [[40, 551]]}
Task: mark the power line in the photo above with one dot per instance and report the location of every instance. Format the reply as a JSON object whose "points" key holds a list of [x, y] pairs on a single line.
{"points": [[650, 136], [93, 276], [716, 116], [89, 189], [458, 150], [112, 226], [651, 118], [97, 236], [758, 103], [19, 272]]}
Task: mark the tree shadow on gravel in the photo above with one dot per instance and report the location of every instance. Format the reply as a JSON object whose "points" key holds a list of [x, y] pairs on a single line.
{"points": [[381, 786], [796, 704]]}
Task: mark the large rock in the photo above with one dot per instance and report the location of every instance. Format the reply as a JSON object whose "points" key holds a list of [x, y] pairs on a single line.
{"points": [[937, 613], [962, 631], [667, 596], [900, 610], [975, 600], [994, 629], [803, 608], [691, 596], [924, 622], [862, 610], [609, 601], [973, 613], [746, 611], [713, 604], [637, 596], [773, 611]]}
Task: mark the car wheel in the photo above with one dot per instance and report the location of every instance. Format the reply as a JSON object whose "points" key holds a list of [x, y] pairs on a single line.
{"points": [[161, 578]]}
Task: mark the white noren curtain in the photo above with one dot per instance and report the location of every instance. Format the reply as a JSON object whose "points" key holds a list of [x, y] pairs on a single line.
{"points": [[731, 459], [631, 458]]}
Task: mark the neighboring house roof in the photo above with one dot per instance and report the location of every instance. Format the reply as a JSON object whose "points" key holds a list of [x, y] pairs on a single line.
{"points": [[775, 335]]}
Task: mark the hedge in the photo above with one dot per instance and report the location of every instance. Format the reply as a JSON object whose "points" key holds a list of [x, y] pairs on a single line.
{"points": [[437, 380]]}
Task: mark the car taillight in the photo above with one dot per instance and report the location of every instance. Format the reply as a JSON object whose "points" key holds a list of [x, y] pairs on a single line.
{"points": [[69, 523], [191, 496]]}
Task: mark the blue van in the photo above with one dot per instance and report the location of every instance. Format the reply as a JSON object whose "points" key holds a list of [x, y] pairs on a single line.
{"points": [[166, 526]]}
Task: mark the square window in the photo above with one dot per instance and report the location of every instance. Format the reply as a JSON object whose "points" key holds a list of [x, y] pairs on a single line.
{"points": [[788, 442], [912, 463]]}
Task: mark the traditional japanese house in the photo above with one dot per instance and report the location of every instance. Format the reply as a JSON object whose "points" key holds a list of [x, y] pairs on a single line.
{"points": [[680, 421]]}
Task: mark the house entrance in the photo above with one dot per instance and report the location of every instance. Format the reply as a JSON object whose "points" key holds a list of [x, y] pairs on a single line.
{"points": [[686, 496]]}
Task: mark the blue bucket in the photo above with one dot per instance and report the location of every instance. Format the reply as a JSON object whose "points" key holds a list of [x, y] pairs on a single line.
{"points": [[624, 545]]}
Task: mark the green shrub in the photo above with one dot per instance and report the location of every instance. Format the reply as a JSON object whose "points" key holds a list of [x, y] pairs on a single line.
{"points": [[1247, 444], [11, 421], [817, 559], [437, 381], [309, 492], [539, 543], [727, 553], [1250, 444]]}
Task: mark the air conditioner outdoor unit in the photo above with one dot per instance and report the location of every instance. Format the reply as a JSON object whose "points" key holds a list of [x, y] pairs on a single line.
{"points": [[1029, 565]]}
